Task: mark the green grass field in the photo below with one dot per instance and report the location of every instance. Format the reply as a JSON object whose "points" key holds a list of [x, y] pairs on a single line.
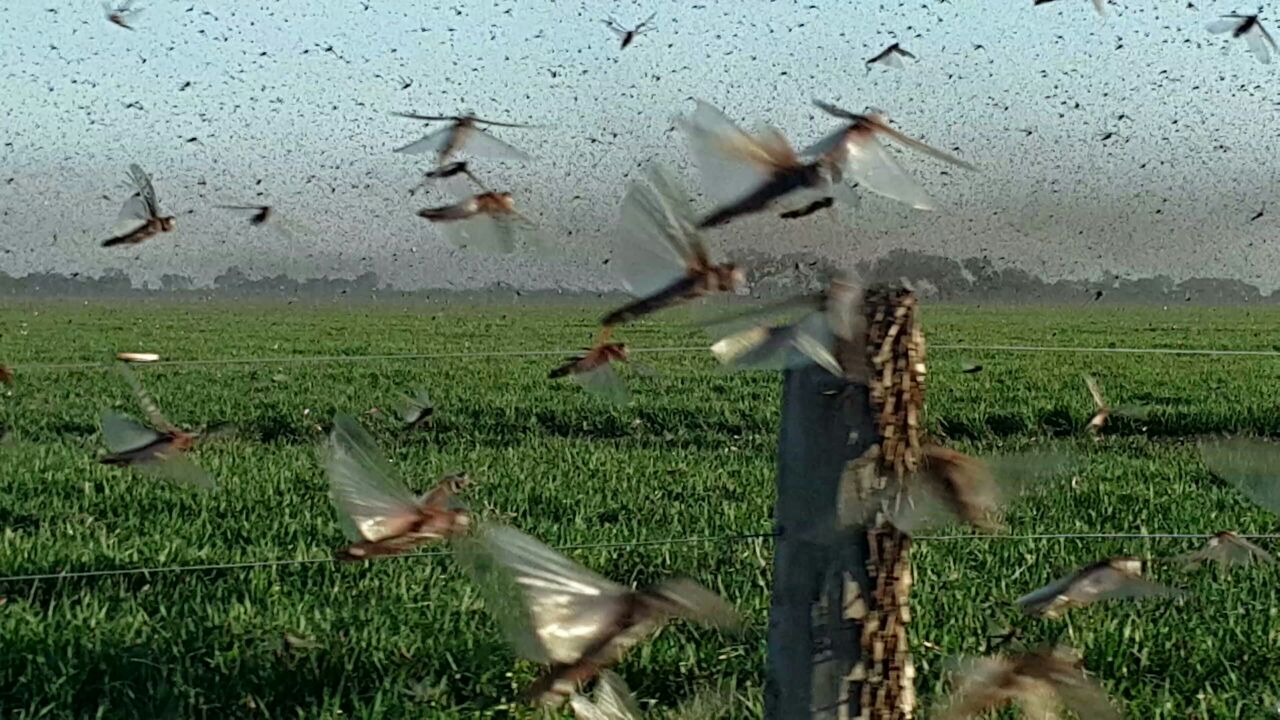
{"points": [[693, 457]]}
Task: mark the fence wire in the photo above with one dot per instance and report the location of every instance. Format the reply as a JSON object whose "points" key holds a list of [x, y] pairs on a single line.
{"points": [[479, 354], [625, 544]]}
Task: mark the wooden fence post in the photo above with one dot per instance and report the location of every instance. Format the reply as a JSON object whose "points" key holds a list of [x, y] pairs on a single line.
{"points": [[812, 645], [842, 593]]}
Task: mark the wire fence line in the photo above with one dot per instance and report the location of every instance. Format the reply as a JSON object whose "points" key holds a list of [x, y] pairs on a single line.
{"points": [[290, 359], [628, 544]]}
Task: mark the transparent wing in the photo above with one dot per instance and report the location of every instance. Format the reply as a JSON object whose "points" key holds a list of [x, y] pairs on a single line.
{"points": [[479, 143], [121, 433], [364, 487], [876, 170], [550, 608], [133, 212], [1222, 26], [605, 382], [1095, 391], [526, 232], [654, 230], [179, 469], [142, 181], [613, 701], [891, 60], [434, 142], [830, 144], [927, 149], [149, 407], [731, 162], [1251, 465], [976, 687], [1257, 42], [1228, 549], [413, 408], [481, 233]]}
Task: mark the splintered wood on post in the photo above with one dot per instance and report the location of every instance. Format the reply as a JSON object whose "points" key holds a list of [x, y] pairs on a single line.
{"points": [[885, 676]]}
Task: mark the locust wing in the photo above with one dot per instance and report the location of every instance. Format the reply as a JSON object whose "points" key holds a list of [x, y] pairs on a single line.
{"points": [[122, 434], [1227, 548], [605, 382], [613, 701], [1251, 465], [1113, 579], [551, 609], [660, 240], [372, 503]]}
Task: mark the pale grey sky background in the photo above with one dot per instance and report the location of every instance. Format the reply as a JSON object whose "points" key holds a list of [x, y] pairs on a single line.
{"points": [[1191, 161]]}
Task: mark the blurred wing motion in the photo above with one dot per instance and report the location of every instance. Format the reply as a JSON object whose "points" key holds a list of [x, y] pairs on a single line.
{"points": [[1041, 682], [1112, 579], [949, 487], [148, 405], [732, 162], [663, 258], [160, 454], [857, 148], [659, 238], [556, 612], [377, 511], [1101, 410], [123, 435], [594, 371], [6, 375], [488, 222], [1248, 27], [1227, 548], [417, 410], [1251, 465], [605, 382], [462, 136], [612, 701], [817, 322]]}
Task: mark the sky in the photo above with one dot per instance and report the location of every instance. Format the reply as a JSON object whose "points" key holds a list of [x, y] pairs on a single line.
{"points": [[290, 103]]}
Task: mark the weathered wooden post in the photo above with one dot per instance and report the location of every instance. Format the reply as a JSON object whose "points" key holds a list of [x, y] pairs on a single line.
{"points": [[837, 622]]}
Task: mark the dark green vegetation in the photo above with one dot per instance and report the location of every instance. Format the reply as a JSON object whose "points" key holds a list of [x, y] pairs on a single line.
{"points": [[693, 457]]}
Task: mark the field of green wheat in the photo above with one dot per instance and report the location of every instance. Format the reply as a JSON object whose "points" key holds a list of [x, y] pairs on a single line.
{"points": [[693, 457]]}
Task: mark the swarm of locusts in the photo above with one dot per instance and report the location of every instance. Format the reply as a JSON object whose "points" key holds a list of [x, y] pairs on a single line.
{"points": [[577, 624]]}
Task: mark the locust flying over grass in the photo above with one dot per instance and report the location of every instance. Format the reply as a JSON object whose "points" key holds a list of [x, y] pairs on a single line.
{"points": [[1249, 27], [1110, 579], [750, 174], [856, 150], [1041, 682], [377, 512], [594, 371], [662, 257], [1227, 548], [555, 612], [1103, 411], [160, 449], [948, 487], [416, 412], [462, 134], [792, 332], [140, 218]]}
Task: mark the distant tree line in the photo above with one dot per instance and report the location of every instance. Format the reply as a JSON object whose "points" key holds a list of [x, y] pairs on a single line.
{"points": [[971, 280]]}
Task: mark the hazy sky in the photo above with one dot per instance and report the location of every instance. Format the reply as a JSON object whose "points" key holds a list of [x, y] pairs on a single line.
{"points": [[1173, 191]]}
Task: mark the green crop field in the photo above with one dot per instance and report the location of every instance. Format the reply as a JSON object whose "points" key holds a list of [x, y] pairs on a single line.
{"points": [[693, 457]]}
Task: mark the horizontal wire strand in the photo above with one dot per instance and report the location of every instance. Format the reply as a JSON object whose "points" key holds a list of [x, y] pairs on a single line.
{"points": [[82, 574], [288, 359]]}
